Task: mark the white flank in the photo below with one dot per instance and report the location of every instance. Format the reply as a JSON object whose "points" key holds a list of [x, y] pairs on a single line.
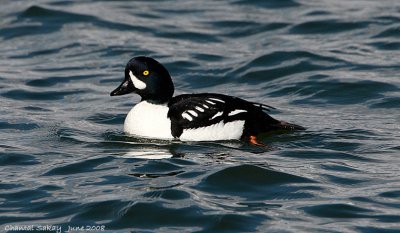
{"points": [[148, 120], [136, 82], [210, 102], [219, 131], [205, 106], [217, 100], [193, 113], [199, 109], [187, 116], [216, 115], [236, 112]]}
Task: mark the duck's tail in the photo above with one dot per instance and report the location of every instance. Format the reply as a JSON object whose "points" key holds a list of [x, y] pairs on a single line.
{"points": [[289, 126]]}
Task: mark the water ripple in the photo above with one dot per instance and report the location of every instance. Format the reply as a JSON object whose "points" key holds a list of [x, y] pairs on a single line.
{"points": [[270, 4], [327, 26], [255, 182], [338, 211], [43, 95], [8, 159], [83, 166]]}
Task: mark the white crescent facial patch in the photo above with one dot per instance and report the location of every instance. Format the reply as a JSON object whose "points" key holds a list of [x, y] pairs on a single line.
{"points": [[136, 82]]}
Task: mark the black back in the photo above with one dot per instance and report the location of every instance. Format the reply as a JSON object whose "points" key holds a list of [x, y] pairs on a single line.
{"points": [[255, 117]]}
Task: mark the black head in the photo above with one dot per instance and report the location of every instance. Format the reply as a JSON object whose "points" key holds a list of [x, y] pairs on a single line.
{"points": [[148, 78]]}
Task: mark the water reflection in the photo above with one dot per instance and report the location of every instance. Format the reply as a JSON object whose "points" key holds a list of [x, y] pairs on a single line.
{"points": [[150, 153]]}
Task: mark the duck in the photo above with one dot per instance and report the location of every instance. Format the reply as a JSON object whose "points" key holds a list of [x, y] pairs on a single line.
{"points": [[190, 117]]}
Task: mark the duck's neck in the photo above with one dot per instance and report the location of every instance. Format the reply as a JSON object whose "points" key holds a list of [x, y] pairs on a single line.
{"points": [[156, 101], [158, 95]]}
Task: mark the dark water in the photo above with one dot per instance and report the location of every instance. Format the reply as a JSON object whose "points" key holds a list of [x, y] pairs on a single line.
{"points": [[331, 66]]}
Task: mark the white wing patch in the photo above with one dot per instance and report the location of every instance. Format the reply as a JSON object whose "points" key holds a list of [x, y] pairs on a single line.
{"points": [[210, 102], [199, 109], [219, 131], [187, 116], [136, 82], [237, 111], [217, 100], [216, 115], [205, 106], [193, 113]]}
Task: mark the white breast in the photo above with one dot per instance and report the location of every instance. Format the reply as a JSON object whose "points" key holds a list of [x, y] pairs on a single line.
{"points": [[219, 131], [148, 120]]}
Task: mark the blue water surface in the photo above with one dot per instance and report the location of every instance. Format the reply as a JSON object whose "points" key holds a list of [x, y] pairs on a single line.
{"points": [[331, 66]]}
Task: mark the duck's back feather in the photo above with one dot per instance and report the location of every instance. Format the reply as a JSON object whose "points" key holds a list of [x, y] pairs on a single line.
{"points": [[193, 111]]}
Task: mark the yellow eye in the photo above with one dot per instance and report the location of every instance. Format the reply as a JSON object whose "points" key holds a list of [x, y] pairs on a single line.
{"points": [[146, 72]]}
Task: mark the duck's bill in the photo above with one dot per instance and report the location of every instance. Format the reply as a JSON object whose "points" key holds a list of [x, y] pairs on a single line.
{"points": [[125, 88]]}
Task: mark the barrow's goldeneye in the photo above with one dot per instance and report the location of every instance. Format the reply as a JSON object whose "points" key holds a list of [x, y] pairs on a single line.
{"points": [[189, 117]]}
